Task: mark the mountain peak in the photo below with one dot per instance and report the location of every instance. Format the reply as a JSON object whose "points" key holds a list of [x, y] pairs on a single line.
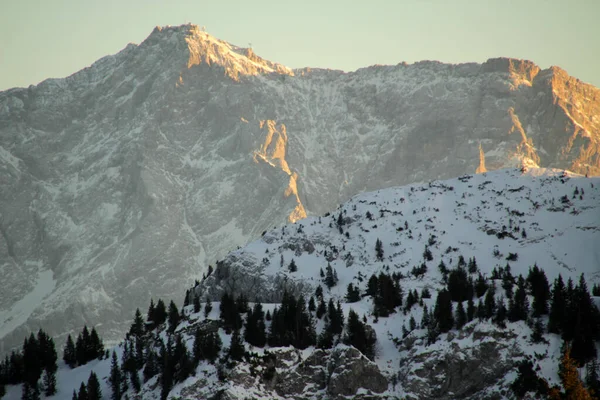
{"points": [[203, 48]]}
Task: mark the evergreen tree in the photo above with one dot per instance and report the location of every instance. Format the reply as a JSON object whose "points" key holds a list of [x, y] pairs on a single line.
{"points": [[458, 285], [312, 307], [236, 349], [83, 393], [137, 328], [173, 317], [322, 309], [372, 286], [557, 306], [93, 387], [48, 357], [166, 378], [519, 306], [255, 332], [115, 379], [151, 366], [540, 290], [501, 313], [592, 378], [292, 267], [379, 249], [229, 313], [32, 367], [352, 294], [473, 266], [95, 347], [356, 335], [490, 302], [586, 324], [69, 354], [443, 311], [151, 314], [196, 304], [470, 310], [183, 363], [537, 334], [330, 277], [481, 286], [207, 307], [461, 316], [160, 313], [75, 397], [80, 354]]}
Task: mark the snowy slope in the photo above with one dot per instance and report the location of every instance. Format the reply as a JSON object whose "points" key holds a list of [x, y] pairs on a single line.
{"points": [[128, 178], [455, 217]]}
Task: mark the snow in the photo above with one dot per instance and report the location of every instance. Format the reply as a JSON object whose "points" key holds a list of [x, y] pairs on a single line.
{"points": [[22, 309]]}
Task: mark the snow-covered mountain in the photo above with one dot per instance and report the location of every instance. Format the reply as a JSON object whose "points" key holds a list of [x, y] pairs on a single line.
{"points": [[126, 179], [542, 217]]}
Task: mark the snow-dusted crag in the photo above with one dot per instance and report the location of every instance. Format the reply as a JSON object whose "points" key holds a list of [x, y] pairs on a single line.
{"points": [[541, 216], [126, 179]]}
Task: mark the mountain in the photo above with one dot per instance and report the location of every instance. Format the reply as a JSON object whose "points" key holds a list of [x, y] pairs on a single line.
{"points": [[510, 221], [125, 180]]}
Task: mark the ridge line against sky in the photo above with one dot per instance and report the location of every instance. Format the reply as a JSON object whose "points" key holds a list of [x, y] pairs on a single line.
{"points": [[40, 40]]}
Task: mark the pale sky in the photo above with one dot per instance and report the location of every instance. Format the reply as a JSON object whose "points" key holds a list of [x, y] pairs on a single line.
{"points": [[42, 39]]}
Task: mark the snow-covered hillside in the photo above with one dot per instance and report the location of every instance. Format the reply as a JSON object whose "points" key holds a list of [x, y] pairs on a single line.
{"points": [[130, 177], [542, 217]]}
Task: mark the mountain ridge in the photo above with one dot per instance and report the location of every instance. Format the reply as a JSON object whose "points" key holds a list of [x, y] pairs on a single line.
{"points": [[136, 173]]}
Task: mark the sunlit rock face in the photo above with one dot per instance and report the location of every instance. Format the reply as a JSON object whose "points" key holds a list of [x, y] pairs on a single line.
{"points": [[125, 180]]}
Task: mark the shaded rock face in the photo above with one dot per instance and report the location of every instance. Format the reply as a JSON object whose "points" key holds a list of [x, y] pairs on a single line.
{"points": [[334, 374], [462, 371], [125, 180]]}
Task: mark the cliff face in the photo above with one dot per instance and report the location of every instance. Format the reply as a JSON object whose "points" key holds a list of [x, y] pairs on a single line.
{"points": [[125, 180]]}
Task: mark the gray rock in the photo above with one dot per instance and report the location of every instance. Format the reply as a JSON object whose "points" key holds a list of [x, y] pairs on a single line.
{"points": [[125, 180]]}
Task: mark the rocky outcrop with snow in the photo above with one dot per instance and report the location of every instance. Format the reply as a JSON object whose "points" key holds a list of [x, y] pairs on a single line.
{"points": [[126, 179]]}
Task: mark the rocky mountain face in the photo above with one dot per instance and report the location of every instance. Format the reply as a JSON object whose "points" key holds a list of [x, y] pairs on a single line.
{"points": [[508, 220], [125, 180]]}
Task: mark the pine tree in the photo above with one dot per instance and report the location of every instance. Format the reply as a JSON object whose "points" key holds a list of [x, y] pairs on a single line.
{"points": [[379, 249], [173, 317], [352, 294], [356, 335], [330, 277], [48, 358], [461, 316], [312, 307], [151, 366], [592, 378], [93, 387], [557, 306], [443, 311], [292, 267], [137, 328], [75, 397], [160, 313], [115, 378], [500, 318], [83, 394], [519, 306], [207, 307], [196, 304], [32, 366], [236, 349], [322, 309], [151, 314], [586, 324], [96, 347], [69, 353], [183, 363], [490, 302], [470, 310]]}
